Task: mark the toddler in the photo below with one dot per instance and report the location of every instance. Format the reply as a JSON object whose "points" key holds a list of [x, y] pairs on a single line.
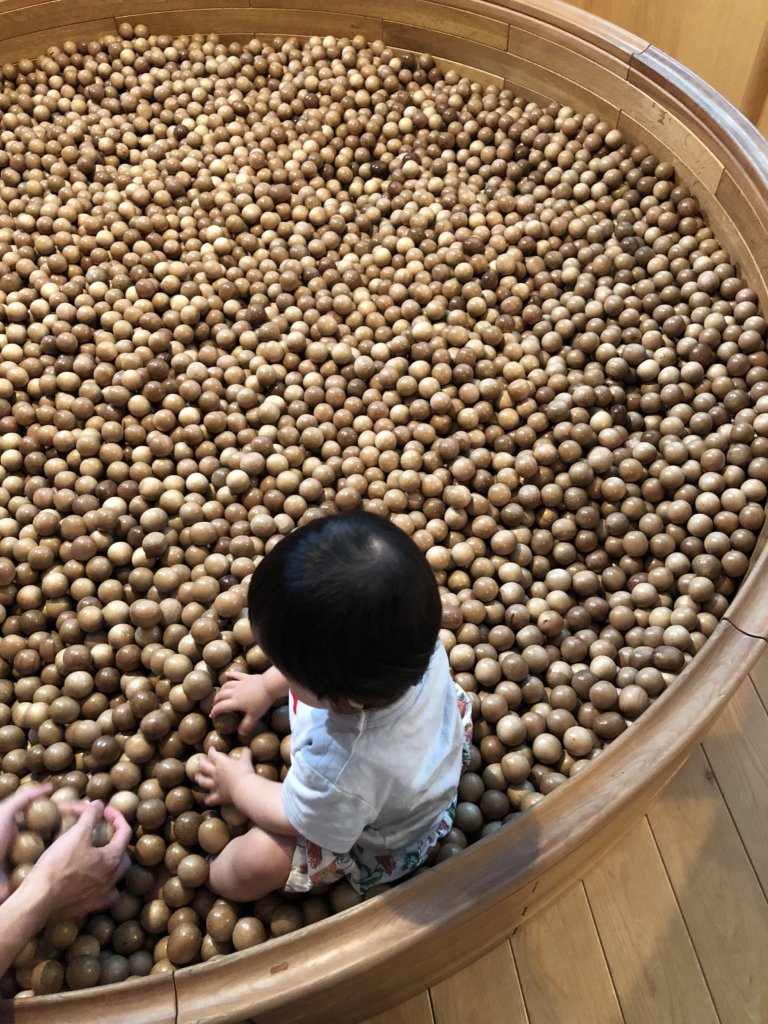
{"points": [[348, 611]]}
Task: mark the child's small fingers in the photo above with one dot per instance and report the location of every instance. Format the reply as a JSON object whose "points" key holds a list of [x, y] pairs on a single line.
{"points": [[248, 725], [212, 800], [227, 703]]}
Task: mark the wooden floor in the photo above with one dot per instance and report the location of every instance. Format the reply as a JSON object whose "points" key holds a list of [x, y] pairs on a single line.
{"points": [[670, 927]]}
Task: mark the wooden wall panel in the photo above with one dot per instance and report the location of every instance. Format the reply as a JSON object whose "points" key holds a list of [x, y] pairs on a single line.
{"points": [[32, 44], [704, 36]]}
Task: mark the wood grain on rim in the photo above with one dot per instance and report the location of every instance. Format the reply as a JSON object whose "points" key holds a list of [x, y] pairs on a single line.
{"points": [[139, 1001]]}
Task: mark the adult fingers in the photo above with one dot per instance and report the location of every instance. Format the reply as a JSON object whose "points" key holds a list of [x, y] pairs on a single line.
{"points": [[88, 815], [122, 830], [24, 796], [82, 808], [74, 807], [120, 868], [104, 899]]}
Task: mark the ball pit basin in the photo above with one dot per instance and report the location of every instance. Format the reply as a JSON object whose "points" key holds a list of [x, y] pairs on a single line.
{"points": [[370, 958]]}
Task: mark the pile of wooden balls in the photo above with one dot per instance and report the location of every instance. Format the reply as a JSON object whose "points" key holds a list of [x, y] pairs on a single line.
{"points": [[243, 286]]}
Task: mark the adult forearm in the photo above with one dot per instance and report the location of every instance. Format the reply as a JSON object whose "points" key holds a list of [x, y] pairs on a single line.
{"points": [[260, 800], [23, 915]]}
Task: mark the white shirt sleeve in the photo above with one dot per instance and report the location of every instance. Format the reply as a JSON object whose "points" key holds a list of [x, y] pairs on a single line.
{"points": [[319, 810]]}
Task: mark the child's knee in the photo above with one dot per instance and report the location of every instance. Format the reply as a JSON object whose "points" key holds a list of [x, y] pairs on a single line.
{"points": [[252, 865]]}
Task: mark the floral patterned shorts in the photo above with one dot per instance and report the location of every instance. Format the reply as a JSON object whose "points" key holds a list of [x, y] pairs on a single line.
{"points": [[314, 865]]}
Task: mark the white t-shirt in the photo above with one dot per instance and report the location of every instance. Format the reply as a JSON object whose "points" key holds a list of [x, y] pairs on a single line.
{"points": [[379, 778]]}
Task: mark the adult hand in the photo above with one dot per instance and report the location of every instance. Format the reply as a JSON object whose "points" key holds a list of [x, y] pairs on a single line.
{"points": [[78, 876], [10, 809], [222, 775]]}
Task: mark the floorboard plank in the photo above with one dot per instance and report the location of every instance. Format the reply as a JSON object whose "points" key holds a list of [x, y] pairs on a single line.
{"points": [[716, 889], [562, 968], [653, 965], [413, 1011], [737, 751], [485, 992]]}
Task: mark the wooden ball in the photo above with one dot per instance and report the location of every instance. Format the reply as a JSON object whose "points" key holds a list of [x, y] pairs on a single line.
{"points": [[42, 817], [47, 977], [247, 932], [184, 944], [83, 972], [213, 835]]}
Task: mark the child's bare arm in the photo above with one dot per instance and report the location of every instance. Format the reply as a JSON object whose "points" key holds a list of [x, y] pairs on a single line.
{"points": [[251, 695], [259, 799], [274, 680]]}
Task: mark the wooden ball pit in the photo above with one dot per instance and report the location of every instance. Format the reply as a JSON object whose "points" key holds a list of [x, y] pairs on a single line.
{"points": [[380, 953]]}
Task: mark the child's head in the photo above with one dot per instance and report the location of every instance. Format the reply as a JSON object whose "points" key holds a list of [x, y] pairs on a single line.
{"points": [[347, 607]]}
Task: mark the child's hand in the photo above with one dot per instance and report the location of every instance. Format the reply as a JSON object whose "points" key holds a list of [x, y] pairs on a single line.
{"points": [[244, 693], [221, 775]]}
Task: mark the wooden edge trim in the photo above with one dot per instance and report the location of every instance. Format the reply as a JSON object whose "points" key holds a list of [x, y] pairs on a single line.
{"points": [[605, 35], [698, 180], [577, 25], [508, 66], [738, 143], [31, 44], [748, 611], [150, 1000], [528, 94], [580, 48], [750, 214]]}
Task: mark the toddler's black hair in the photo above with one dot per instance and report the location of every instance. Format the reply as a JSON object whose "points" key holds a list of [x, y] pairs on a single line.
{"points": [[348, 607]]}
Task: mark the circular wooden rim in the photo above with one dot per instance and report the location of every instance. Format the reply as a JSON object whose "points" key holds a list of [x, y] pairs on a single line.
{"points": [[359, 963]]}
